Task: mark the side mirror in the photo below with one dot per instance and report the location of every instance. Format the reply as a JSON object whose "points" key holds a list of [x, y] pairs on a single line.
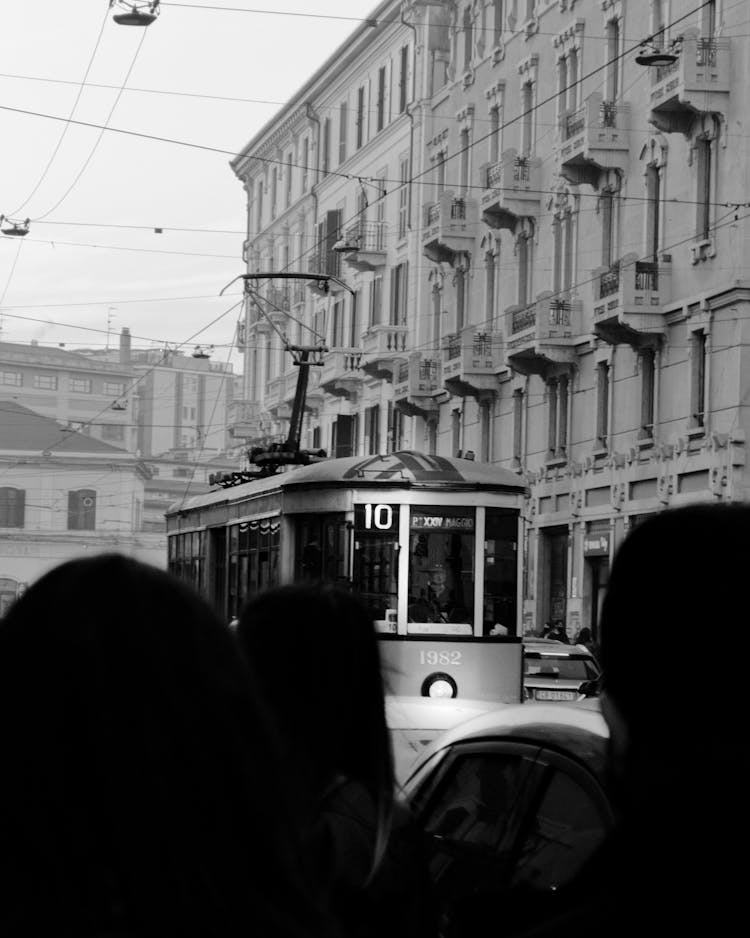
{"points": [[589, 688]]}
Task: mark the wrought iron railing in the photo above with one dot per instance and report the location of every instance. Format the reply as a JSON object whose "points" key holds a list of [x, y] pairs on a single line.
{"points": [[403, 372], [494, 176], [458, 210], [433, 213], [559, 312], [609, 281], [482, 344], [705, 52], [453, 346], [523, 318], [574, 123], [428, 369], [521, 169], [608, 114]]}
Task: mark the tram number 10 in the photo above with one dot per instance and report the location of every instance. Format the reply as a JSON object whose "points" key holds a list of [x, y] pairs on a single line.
{"points": [[369, 517]]}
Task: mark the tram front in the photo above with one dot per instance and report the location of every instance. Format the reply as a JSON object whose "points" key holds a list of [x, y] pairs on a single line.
{"points": [[432, 545]]}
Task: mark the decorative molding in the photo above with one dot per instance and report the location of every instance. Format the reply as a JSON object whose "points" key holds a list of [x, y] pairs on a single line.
{"points": [[572, 32]]}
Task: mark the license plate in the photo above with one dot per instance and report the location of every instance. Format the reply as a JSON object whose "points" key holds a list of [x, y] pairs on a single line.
{"points": [[555, 695]]}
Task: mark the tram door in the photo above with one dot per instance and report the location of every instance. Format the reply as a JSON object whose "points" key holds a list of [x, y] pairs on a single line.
{"points": [[217, 567]]}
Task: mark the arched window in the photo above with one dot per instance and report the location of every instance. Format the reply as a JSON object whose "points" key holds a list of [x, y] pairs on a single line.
{"points": [[12, 507], [82, 510], [468, 27]]}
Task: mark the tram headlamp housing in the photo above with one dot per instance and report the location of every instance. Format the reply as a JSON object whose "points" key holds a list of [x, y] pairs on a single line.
{"points": [[439, 684]]}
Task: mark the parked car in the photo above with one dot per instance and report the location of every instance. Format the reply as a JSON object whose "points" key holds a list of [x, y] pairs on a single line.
{"points": [[512, 803], [554, 671], [416, 721]]}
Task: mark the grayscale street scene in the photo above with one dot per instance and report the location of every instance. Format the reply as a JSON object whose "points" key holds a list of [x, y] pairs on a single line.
{"points": [[373, 443]]}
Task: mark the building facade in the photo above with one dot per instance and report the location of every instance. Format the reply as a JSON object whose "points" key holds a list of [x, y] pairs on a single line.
{"points": [[542, 243], [64, 494]]}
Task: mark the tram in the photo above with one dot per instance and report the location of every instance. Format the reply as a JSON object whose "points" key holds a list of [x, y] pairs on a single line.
{"points": [[431, 544]]}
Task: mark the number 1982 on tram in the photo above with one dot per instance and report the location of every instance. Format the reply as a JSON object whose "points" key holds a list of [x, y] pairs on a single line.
{"points": [[430, 544]]}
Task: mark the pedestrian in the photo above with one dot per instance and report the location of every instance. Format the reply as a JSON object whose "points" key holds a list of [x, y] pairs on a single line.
{"points": [[314, 653], [677, 757], [141, 792]]}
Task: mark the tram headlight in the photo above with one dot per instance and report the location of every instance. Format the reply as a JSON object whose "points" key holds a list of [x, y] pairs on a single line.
{"points": [[439, 684]]}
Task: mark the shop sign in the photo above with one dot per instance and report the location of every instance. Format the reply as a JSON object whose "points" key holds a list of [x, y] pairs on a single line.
{"points": [[596, 545]]}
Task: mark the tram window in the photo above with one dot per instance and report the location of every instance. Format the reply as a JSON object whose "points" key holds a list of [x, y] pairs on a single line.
{"points": [[500, 572], [321, 548], [376, 575], [441, 570]]}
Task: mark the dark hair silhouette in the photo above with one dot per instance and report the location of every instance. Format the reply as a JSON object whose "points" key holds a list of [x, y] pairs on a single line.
{"points": [[140, 791], [314, 654]]}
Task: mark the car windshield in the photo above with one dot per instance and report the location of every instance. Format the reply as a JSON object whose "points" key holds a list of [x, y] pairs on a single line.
{"points": [[554, 667]]}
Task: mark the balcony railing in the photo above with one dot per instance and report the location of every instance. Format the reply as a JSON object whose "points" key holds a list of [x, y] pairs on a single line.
{"points": [[524, 318], [450, 227], [453, 346], [433, 213], [629, 298], [609, 281], [367, 235]]}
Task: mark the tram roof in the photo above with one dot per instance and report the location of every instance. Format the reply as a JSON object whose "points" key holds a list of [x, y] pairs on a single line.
{"points": [[407, 469], [404, 469]]}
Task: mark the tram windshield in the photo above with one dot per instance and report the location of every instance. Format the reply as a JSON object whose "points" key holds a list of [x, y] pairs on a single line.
{"points": [[441, 571]]}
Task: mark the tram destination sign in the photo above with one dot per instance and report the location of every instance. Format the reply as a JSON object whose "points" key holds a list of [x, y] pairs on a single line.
{"points": [[376, 518], [428, 521]]}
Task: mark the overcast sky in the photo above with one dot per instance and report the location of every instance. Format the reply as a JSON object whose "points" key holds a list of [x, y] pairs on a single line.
{"points": [[80, 264]]}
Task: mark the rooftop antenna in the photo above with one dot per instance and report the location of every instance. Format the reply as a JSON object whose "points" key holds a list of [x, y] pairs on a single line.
{"points": [[141, 13]]}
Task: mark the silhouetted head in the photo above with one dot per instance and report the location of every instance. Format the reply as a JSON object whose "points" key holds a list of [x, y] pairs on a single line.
{"points": [[677, 589], [140, 789], [315, 655]]}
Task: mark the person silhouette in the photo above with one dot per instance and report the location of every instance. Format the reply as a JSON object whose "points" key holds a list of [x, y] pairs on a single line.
{"points": [[677, 758], [314, 655], [141, 792]]}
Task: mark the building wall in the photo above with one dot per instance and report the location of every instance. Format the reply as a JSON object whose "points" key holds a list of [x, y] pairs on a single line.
{"points": [[536, 139]]}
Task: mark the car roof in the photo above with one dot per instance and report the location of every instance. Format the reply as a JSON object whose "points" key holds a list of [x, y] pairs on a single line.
{"points": [[434, 713], [544, 646], [579, 731]]}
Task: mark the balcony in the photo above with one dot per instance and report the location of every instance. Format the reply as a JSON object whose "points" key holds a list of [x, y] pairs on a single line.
{"points": [[595, 138], [628, 300], [511, 190], [542, 335], [383, 348], [341, 375], [275, 398], [417, 386], [697, 83], [243, 419], [368, 241], [473, 362], [323, 262], [450, 227]]}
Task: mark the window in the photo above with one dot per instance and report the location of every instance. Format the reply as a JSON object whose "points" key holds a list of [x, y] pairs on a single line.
{"points": [[12, 507], [499, 23], [653, 211], [376, 301], [82, 510], [465, 151], [485, 431], [395, 428], [259, 207], [305, 158], [11, 378], [607, 209], [399, 285], [648, 383], [440, 173], [468, 28], [361, 116], [602, 404], [563, 233], [372, 430], [80, 385], [456, 425], [354, 327], [113, 388], [697, 379], [288, 179], [527, 118], [573, 84], [708, 19], [45, 382], [557, 417], [326, 133], [343, 435], [114, 432], [490, 267], [518, 427], [403, 79], [524, 249], [337, 336], [274, 190], [437, 315], [343, 118], [461, 282], [381, 99], [403, 198], [703, 161], [613, 60], [495, 134]]}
